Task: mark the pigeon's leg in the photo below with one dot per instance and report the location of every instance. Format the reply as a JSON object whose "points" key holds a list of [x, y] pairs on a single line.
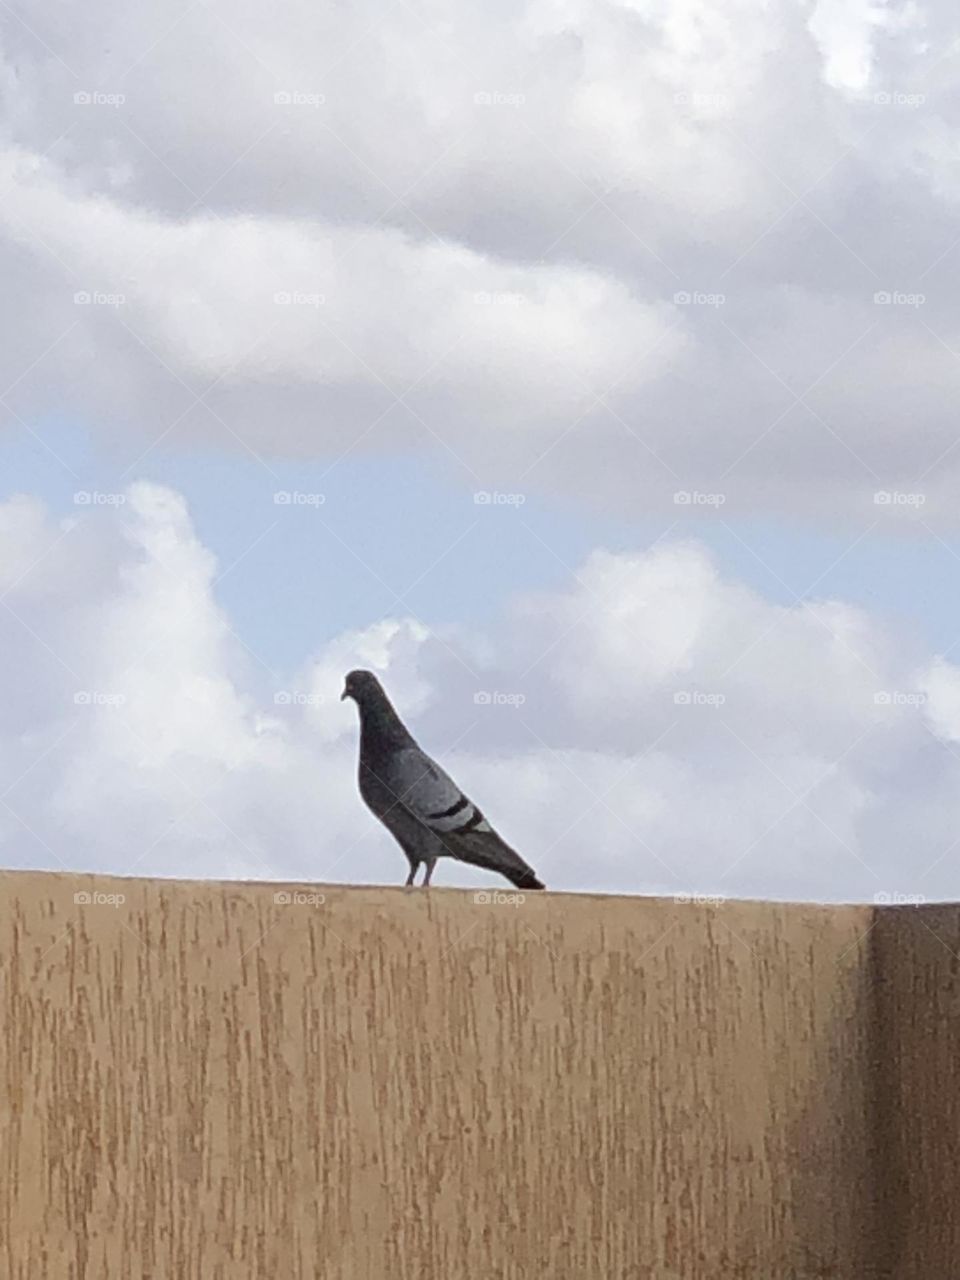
{"points": [[414, 868], [431, 863]]}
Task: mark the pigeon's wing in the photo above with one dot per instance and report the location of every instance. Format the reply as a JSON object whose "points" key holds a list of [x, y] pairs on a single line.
{"points": [[430, 794], [433, 797]]}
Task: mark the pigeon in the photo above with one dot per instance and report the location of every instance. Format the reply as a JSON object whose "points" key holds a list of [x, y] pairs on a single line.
{"points": [[420, 805]]}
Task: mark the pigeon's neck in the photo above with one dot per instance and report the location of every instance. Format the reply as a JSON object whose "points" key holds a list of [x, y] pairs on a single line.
{"points": [[381, 729]]}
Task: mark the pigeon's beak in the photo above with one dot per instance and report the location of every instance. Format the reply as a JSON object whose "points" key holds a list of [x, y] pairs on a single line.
{"points": [[345, 694]]}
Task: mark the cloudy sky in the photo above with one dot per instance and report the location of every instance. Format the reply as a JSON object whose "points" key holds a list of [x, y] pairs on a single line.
{"points": [[591, 371]]}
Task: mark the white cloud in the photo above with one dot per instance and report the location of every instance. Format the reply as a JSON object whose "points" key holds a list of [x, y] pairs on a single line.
{"points": [[941, 689], [582, 166], [847, 32], [650, 726]]}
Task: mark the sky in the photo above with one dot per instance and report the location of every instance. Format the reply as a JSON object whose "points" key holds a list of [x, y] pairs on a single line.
{"points": [[589, 372]]}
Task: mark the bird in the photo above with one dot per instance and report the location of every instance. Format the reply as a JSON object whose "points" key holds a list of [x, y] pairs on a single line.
{"points": [[419, 804]]}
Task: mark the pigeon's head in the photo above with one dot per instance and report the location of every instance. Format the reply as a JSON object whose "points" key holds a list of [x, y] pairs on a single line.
{"points": [[360, 685]]}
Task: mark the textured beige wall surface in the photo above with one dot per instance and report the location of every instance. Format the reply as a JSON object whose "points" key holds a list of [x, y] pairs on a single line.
{"points": [[202, 1082], [916, 989]]}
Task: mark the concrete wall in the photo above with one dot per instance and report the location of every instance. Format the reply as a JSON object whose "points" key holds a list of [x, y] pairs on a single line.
{"points": [[201, 1082], [916, 972]]}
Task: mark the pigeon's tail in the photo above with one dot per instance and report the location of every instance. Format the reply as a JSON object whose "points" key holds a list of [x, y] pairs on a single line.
{"points": [[527, 881], [486, 849]]}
